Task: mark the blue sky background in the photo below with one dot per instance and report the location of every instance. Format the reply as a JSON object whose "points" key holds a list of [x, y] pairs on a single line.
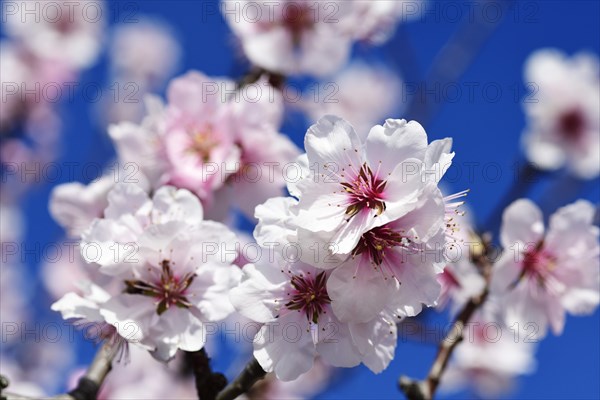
{"points": [[484, 133]]}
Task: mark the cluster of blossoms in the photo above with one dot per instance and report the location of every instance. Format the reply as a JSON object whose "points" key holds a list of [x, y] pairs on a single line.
{"points": [[358, 246], [211, 140], [354, 236], [367, 221], [311, 37]]}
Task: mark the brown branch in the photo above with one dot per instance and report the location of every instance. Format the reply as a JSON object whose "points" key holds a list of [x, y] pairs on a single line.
{"points": [[208, 383], [252, 373], [425, 389], [89, 384]]}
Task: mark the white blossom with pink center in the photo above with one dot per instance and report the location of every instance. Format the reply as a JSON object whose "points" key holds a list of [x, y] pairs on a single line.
{"points": [[292, 36], [285, 293], [67, 32], [292, 302], [175, 268], [542, 275], [354, 185], [563, 112], [393, 266]]}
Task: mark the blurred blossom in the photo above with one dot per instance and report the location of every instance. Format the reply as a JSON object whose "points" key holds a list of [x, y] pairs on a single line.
{"points": [[361, 94], [307, 386], [488, 360], [18, 380], [375, 21], [138, 144], [23, 76], [563, 112], [542, 275], [292, 36], [46, 362], [70, 273], [15, 296], [74, 205], [461, 278], [11, 223], [143, 56], [144, 378], [14, 71], [146, 53], [70, 33], [212, 140], [15, 289]]}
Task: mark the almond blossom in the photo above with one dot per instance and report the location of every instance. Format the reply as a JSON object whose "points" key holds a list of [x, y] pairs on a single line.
{"points": [[175, 268], [75, 205], [295, 308], [292, 36], [210, 139], [375, 210], [543, 275], [355, 185], [488, 359], [133, 60], [394, 265], [375, 21], [286, 294], [70, 33], [563, 112]]}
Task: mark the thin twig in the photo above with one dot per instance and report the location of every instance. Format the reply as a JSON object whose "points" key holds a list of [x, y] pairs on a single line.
{"points": [[252, 373], [425, 389]]}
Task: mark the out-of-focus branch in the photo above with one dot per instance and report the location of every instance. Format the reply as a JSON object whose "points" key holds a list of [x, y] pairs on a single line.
{"points": [[252, 373], [275, 79], [208, 383], [89, 384], [453, 60], [425, 389]]}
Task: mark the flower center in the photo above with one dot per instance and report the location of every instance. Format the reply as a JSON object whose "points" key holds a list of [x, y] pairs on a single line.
{"points": [[309, 295], [571, 125], [203, 142], [366, 191], [377, 240], [168, 289], [298, 18], [537, 264]]}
